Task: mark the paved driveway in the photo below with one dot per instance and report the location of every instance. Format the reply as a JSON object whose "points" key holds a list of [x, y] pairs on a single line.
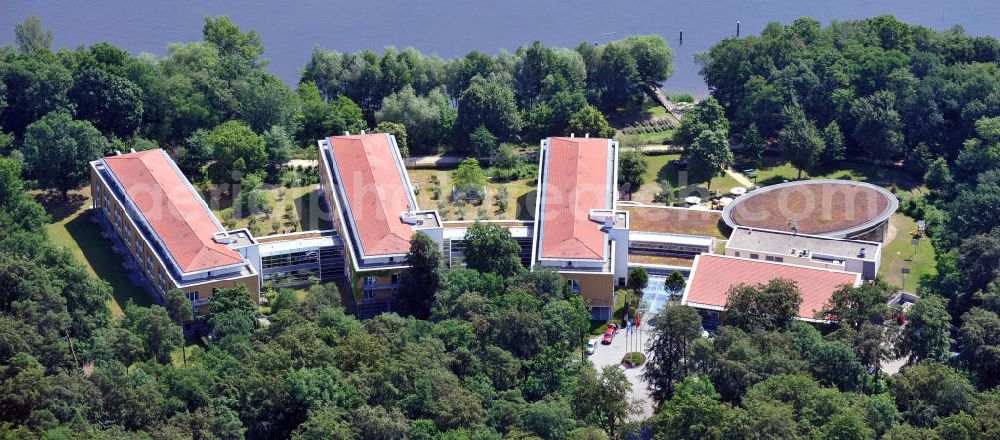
{"points": [[612, 355]]}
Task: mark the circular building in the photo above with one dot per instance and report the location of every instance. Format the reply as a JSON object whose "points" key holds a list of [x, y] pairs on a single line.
{"points": [[832, 208]]}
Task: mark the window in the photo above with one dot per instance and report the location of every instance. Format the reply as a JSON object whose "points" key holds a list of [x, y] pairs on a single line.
{"points": [[369, 282], [768, 258], [737, 253], [395, 278], [575, 285], [192, 296], [754, 257], [369, 294]]}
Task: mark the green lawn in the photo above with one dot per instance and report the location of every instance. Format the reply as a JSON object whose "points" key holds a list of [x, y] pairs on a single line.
{"points": [[652, 138], [776, 170], [304, 199], [177, 358], [72, 229], [520, 197], [659, 169], [899, 253]]}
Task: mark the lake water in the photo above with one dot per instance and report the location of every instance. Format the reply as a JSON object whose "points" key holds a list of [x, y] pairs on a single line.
{"points": [[290, 30]]}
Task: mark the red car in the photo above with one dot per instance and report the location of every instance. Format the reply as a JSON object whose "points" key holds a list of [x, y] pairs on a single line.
{"points": [[609, 334]]}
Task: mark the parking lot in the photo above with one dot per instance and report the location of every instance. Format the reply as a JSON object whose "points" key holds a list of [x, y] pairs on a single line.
{"points": [[612, 355]]}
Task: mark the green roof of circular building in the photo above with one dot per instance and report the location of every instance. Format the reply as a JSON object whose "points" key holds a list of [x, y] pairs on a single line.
{"points": [[835, 208]]}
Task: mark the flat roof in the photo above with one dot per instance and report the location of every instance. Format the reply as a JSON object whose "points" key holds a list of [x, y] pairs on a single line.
{"points": [[170, 206], [637, 259], [663, 237], [458, 232], [819, 206], [375, 190], [713, 275], [578, 177], [297, 244], [674, 220], [787, 243]]}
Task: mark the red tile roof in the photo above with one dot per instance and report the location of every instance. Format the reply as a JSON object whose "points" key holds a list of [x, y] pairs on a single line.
{"points": [[376, 193], [713, 275], [576, 181], [172, 209]]}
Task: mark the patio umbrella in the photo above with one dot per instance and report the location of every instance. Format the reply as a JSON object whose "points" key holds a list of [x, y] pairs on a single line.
{"points": [[738, 191], [693, 200], [725, 201], [699, 208]]}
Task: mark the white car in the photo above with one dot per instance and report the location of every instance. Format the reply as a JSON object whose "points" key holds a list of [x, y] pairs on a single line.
{"points": [[592, 345]]}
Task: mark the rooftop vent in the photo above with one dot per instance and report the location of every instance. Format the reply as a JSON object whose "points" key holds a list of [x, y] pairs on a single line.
{"points": [[410, 218], [222, 238], [861, 254]]}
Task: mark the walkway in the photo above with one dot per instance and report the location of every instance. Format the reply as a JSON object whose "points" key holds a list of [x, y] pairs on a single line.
{"points": [[673, 115], [435, 161], [306, 163], [739, 177], [660, 148]]}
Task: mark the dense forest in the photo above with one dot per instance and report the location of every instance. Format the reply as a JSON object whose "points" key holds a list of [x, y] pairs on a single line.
{"points": [[493, 351], [214, 101], [876, 90]]}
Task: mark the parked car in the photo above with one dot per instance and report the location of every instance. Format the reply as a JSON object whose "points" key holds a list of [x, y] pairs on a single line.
{"points": [[609, 335], [592, 346]]}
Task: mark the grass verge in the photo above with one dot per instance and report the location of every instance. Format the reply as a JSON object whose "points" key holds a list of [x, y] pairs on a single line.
{"points": [[72, 229]]}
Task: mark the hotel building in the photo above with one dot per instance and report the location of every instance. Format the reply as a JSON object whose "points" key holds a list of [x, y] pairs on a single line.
{"points": [[364, 179], [579, 233], [166, 233]]}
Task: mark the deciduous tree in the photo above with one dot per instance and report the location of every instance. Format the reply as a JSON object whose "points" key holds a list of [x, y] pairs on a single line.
{"points": [[423, 276], [490, 248], [675, 330], [57, 150], [236, 149], [632, 168], [31, 36], [707, 156], [801, 142], [763, 307]]}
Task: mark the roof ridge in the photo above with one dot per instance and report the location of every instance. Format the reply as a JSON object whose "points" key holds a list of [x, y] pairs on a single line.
{"points": [[575, 193], [379, 188], [146, 180], [159, 186], [574, 205], [181, 213]]}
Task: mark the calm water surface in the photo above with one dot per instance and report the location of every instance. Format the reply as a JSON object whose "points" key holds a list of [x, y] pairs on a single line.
{"points": [[290, 29]]}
